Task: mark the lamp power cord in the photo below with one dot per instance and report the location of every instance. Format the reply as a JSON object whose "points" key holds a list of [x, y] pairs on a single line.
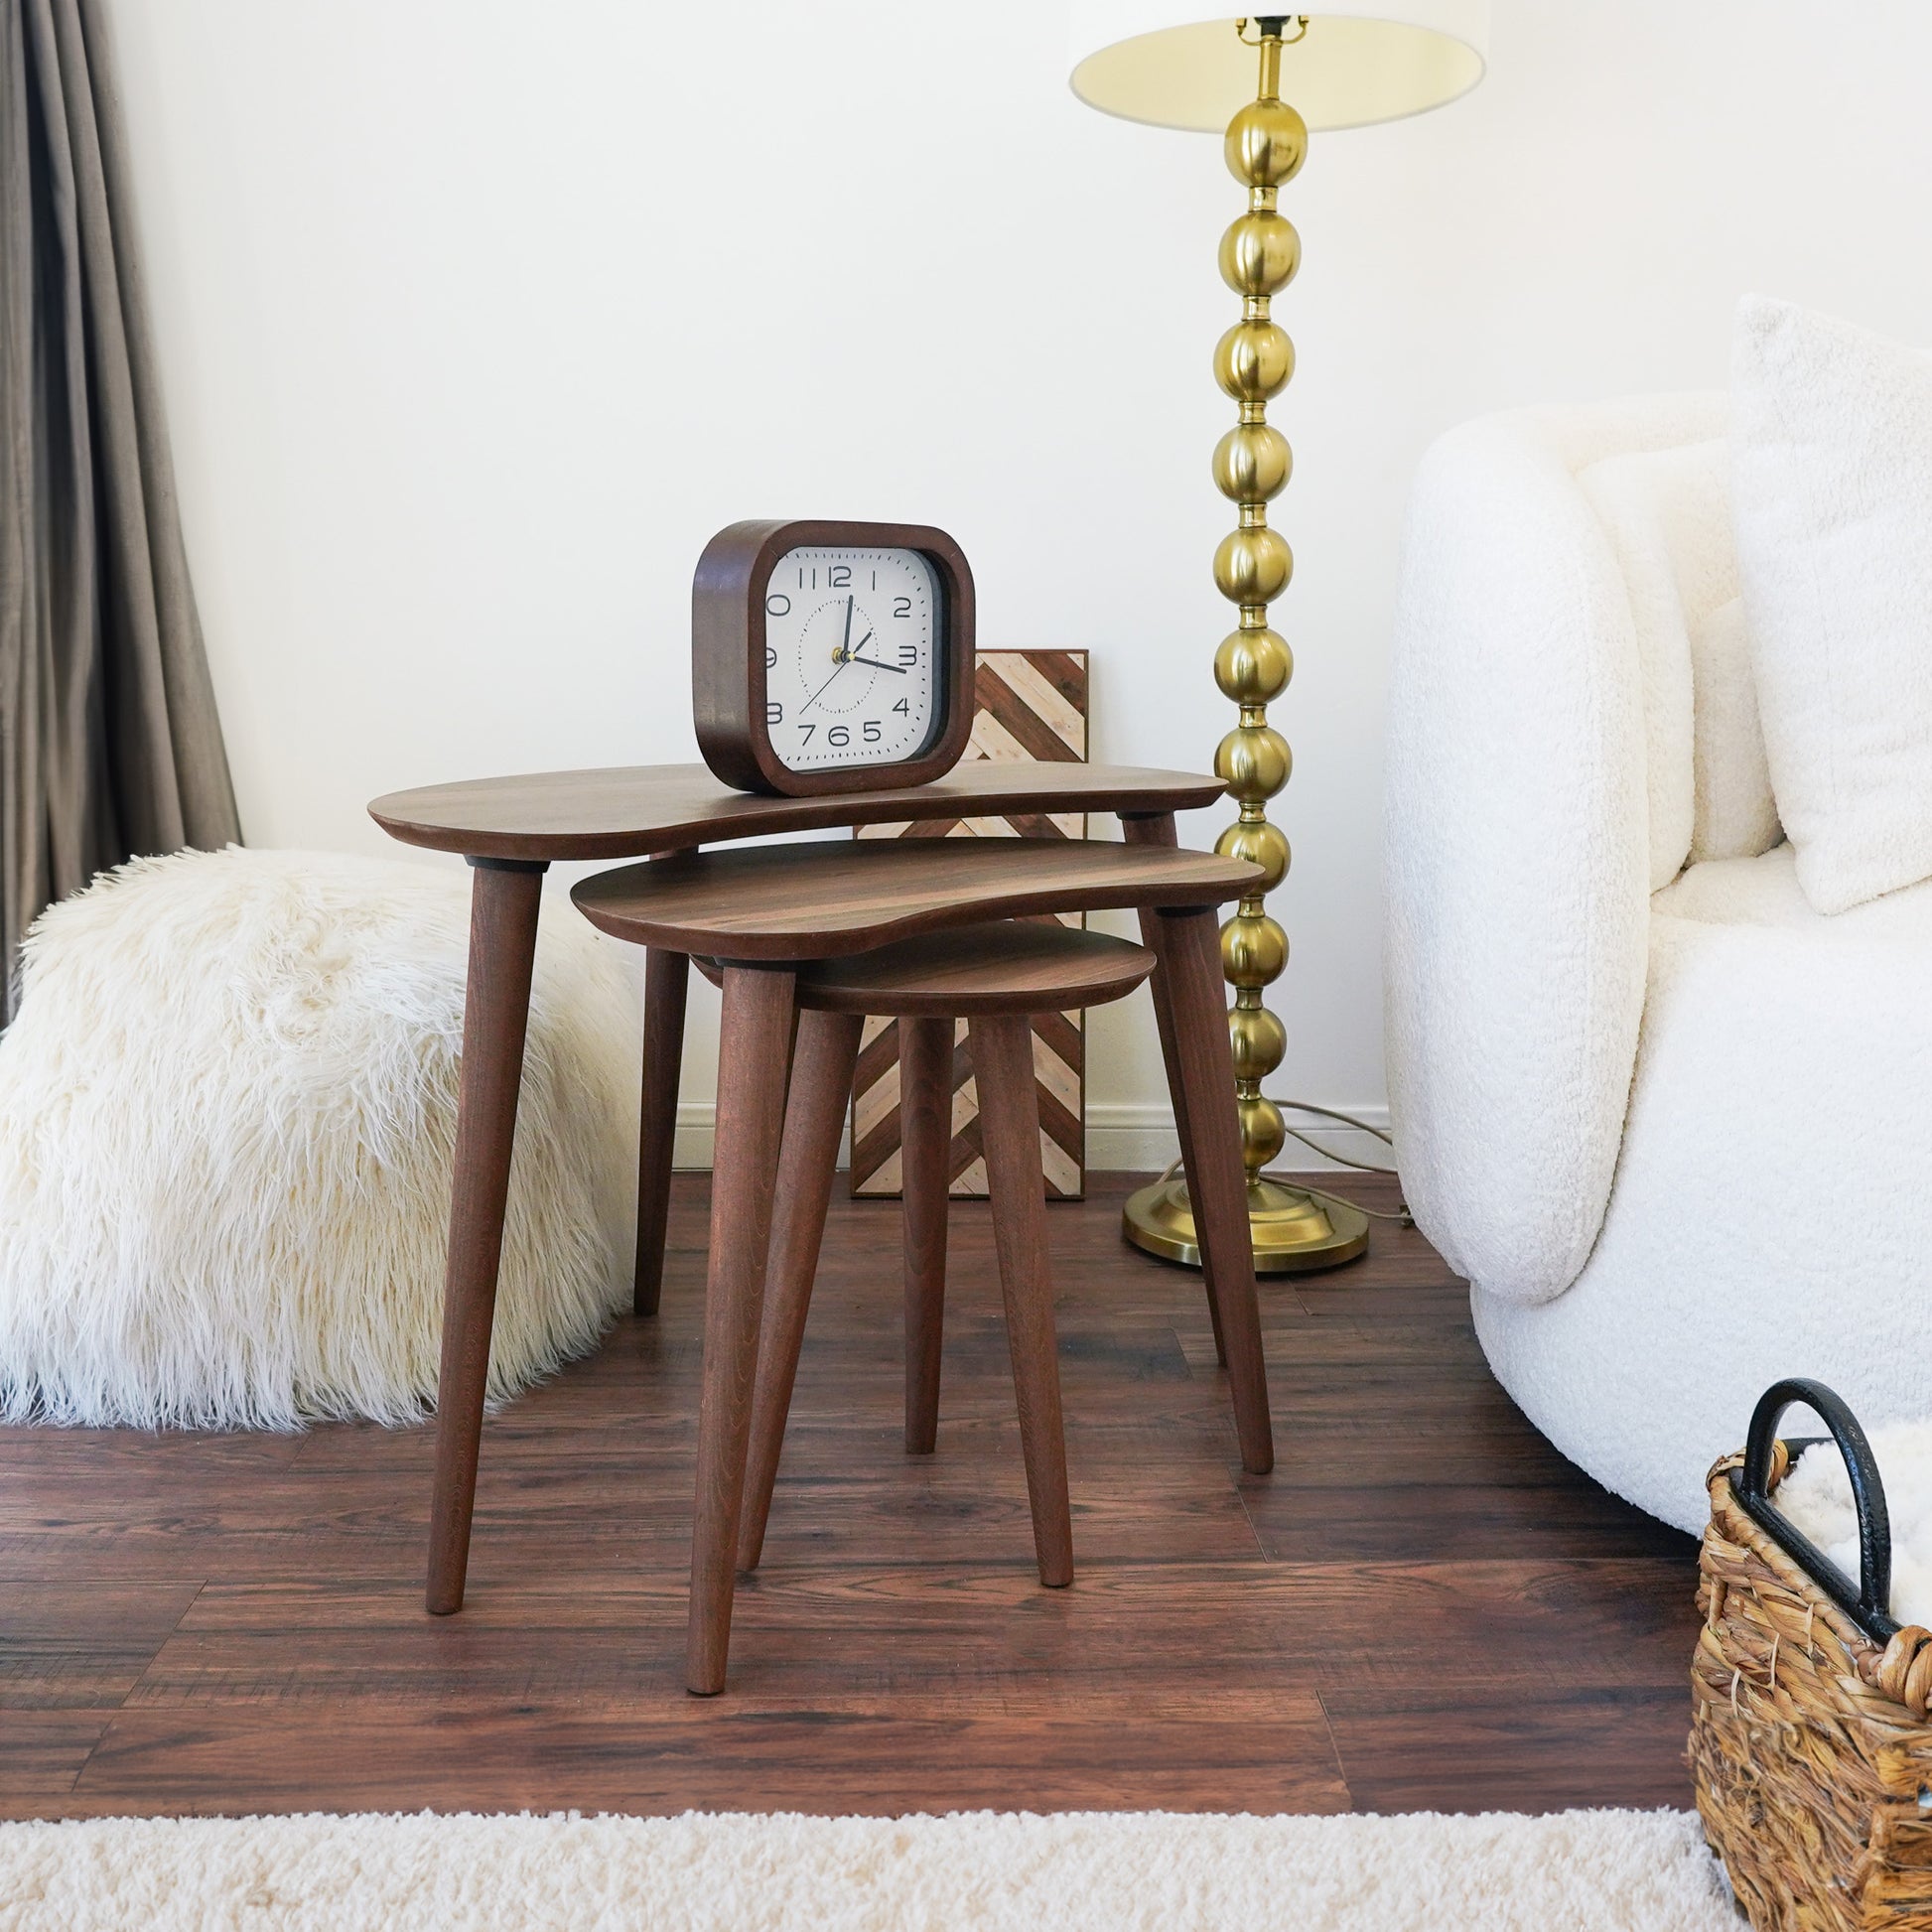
{"points": [[1401, 1217]]}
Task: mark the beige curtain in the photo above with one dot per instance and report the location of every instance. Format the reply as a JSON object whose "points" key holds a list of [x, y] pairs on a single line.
{"points": [[108, 732]]}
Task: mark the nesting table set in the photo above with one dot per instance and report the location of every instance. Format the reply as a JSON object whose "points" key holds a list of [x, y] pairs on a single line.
{"points": [[804, 938]]}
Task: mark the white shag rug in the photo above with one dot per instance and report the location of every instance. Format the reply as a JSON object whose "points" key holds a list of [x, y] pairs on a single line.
{"points": [[980, 1872], [228, 1122], [1817, 1496]]}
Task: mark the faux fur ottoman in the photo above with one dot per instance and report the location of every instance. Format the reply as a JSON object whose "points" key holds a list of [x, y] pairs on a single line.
{"points": [[228, 1111]]}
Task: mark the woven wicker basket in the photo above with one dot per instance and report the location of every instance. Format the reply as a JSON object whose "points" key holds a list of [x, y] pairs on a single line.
{"points": [[1810, 1744]]}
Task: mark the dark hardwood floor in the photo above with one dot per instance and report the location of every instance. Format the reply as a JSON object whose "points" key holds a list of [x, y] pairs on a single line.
{"points": [[1424, 1606]]}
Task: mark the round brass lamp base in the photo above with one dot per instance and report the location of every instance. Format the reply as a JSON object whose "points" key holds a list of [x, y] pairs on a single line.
{"points": [[1293, 1232]]}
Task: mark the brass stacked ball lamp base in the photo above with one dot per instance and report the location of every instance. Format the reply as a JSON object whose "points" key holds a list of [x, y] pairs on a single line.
{"points": [[1294, 1231]]}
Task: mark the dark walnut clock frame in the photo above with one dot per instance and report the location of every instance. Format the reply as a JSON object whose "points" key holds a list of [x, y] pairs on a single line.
{"points": [[728, 645]]}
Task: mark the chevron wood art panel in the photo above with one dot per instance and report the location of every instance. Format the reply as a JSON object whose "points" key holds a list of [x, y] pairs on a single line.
{"points": [[1029, 704]]}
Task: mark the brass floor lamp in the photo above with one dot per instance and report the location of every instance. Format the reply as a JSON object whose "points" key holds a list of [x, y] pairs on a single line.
{"points": [[1267, 79]]}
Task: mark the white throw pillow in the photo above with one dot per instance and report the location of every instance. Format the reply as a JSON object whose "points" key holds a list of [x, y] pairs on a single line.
{"points": [[1832, 497]]}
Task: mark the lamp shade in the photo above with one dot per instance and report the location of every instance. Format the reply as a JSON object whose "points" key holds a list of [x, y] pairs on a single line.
{"points": [[1360, 60]]}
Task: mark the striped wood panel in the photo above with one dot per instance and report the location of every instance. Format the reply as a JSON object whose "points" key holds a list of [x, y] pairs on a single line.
{"points": [[1029, 704]]}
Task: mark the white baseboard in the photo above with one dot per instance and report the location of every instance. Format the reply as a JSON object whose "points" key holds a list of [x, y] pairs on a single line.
{"points": [[1137, 1136], [1141, 1135], [696, 1130]]}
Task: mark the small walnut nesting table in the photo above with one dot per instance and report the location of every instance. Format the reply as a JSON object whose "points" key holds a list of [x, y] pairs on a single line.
{"points": [[995, 978], [761, 912]]}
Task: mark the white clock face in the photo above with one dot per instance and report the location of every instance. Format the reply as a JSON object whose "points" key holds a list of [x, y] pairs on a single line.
{"points": [[852, 644]]}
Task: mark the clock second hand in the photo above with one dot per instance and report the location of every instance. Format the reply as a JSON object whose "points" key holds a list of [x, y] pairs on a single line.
{"points": [[840, 657]]}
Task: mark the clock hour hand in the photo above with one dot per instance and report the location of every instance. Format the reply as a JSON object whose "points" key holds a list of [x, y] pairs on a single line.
{"points": [[876, 663]]}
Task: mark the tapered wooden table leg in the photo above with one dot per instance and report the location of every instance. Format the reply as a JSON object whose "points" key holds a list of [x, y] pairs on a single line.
{"points": [[826, 1051], [1185, 945], [504, 897], [1159, 830], [754, 1038], [666, 978], [926, 1150], [1003, 1069]]}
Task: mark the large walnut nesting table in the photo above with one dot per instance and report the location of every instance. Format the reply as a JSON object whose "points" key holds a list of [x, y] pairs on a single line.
{"points": [[758, 911]]}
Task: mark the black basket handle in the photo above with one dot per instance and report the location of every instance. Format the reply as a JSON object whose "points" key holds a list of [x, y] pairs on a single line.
{"points": [[1868, 1601]]}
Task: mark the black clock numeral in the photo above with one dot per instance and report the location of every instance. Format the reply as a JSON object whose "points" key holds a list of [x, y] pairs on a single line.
{"points": [[908, 653], [875, 580], [771, 657], [838, 577], [838, 735], [901, 706], [902, 606], [775, 714], [806, 731], [776, 605], [872, 731]]}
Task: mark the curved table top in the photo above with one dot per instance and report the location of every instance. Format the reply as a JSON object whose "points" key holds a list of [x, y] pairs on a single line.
{"points": [[846, 895], [627, 812], [1022, 966]]}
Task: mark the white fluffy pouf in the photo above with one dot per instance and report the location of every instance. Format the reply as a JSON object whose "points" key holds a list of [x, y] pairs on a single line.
{"points": [[227, 1121]]}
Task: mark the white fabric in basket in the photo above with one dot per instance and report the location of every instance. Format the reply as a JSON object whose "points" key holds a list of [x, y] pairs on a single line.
{"points": [[1817, 1497]]}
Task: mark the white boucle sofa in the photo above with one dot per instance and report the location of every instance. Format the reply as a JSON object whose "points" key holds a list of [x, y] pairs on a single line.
{"points": [[1674, 1126]]}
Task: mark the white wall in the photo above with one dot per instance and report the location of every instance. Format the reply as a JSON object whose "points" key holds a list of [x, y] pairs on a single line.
{"points": [[479, 318]]}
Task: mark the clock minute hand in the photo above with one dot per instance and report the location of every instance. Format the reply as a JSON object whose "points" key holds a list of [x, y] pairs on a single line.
{"points": [[840, 657]]}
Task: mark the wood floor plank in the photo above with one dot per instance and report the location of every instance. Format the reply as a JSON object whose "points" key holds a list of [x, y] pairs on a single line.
{"points": [[1571, 1746], [78, 1651], [41, 1756], [904, 1752], [1385, 1522], [1423, 1606], [802, 1630]]}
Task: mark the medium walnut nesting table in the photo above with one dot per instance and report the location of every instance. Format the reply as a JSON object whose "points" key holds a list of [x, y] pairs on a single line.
{"points": [[759, 910]]}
